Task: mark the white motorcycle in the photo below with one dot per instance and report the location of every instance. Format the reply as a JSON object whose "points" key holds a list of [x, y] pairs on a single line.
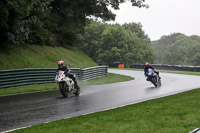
{"points": [[66, 84]]}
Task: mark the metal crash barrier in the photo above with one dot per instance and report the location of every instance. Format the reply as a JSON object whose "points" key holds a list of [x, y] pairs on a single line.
{"points": [[17, 77], [169, 67], [93, 72]]}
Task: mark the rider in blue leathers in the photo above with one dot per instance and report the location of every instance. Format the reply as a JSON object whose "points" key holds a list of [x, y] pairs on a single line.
{"points": [[148, 66]]}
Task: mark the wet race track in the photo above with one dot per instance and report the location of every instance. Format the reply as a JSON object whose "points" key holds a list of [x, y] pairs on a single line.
{"points": [[29, 109]]}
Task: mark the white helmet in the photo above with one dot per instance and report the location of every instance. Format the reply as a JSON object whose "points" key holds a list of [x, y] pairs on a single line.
{"points": [[147, 64], [60, 64]]}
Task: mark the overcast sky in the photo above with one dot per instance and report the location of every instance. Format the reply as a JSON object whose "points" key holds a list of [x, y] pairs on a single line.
{"points": [[163, 17]]}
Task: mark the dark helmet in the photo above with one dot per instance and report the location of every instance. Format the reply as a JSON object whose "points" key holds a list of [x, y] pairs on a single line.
{"points": [[60, 64]]}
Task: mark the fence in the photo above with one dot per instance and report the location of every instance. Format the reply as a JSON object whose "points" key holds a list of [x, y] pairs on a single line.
{"points": [[170, 67], [93, 72], [17, 77]]}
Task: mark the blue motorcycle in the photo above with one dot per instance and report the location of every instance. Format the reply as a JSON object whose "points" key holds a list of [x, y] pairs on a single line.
{"points": [[153, 77]]}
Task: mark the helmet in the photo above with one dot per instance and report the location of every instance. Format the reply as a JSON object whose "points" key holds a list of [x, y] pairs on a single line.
{"points": [[147, 64], [60, 64]]}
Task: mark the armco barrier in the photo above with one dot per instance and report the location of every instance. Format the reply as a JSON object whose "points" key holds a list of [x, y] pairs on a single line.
{"points": [[17, 77], [93, 72], [169, 67]]}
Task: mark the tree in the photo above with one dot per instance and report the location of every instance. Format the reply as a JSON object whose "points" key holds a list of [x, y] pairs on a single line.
{"points": [[25, 20], [16, 19], [89, 41], [177, 49], [193, 54], [70, 17], [106, 43], [137, 29]]}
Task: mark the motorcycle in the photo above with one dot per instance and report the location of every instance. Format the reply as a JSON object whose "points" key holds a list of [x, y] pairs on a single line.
{"points": [[66, 84], [153, 77]]}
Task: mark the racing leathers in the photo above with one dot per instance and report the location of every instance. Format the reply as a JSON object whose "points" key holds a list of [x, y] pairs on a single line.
{"points": [[67, 70], [150, 67]]}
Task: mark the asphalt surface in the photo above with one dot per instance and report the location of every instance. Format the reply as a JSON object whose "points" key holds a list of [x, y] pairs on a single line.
{"points": [[24, 110]]}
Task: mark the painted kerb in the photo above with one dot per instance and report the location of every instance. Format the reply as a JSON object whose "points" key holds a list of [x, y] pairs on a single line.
{"points": [[17, 77]]}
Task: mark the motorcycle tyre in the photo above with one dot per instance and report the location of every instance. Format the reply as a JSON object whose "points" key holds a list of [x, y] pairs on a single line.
{"points": [[153, 80], [63, 89], [159, 82], [77, 92]]}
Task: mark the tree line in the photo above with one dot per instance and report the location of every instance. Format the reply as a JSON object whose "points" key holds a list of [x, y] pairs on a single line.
{"points": [[178, 49], [109, 43], [51, 22]]}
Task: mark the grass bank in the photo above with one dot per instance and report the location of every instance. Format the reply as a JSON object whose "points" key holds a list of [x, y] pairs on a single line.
{"points": [[164, 115], [35, 56]]}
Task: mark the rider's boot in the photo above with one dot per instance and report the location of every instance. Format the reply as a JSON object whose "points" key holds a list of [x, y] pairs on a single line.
{"points": [[158, 75]]}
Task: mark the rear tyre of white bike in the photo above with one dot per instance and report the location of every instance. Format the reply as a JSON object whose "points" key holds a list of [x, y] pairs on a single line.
{"points": [[77, 92]]}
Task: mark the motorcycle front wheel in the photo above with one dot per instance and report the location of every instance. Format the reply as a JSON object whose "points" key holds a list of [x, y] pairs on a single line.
{"points": [[63, 89], [159, 82], [154, 81]]}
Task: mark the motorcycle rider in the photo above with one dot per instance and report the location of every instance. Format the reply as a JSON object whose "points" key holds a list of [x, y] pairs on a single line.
{"points": [[148, 66], [66, 70]]}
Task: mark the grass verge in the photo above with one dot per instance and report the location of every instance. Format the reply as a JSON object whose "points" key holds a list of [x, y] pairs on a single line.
{"points": [[181, 72], [164, 115], [111, 78]]}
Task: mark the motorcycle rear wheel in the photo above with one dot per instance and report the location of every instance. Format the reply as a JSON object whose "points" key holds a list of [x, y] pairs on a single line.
{"points": [[63, 89], [77, 92]]}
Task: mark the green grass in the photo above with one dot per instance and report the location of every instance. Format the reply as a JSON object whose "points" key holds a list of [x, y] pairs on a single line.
{"points": [[34, 56], [181, 72], [111, 78], [164, 115], [28, 88]]}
